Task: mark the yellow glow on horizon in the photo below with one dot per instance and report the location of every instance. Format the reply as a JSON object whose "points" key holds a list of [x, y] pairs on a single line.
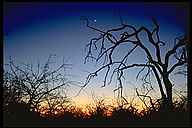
{"points": [[86, 105]]}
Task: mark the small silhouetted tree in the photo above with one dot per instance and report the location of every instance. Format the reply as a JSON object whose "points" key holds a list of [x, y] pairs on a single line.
{"points": [[157, 62], [33, 85]]}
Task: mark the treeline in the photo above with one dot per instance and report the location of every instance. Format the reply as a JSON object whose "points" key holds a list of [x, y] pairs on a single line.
{"points": [[34, 96], [18, 114]]}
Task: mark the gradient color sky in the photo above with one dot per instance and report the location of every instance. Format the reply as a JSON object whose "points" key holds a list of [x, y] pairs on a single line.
{"points": [[32, 31]]}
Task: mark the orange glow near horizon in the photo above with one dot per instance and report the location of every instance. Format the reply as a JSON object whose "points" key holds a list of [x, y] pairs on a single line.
{"points": [[86, 106]]}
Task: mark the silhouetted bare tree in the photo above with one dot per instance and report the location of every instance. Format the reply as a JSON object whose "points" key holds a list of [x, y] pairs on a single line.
{"points": [[156, 61], [34, 85]]}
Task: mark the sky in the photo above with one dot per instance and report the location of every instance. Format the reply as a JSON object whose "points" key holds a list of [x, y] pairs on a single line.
{"points": [[33, 31]]}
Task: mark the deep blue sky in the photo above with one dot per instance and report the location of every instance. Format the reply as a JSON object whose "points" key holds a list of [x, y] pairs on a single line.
{"points": [[32, 31]]}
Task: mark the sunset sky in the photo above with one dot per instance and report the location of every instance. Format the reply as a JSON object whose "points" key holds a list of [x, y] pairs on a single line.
{"points": [[33, 31]]}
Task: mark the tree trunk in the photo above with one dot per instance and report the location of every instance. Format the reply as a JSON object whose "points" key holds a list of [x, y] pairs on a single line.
{"points": [[168, 87]]}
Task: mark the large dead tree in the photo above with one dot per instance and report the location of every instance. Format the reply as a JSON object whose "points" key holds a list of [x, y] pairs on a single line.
{"points": [[102, 48]]}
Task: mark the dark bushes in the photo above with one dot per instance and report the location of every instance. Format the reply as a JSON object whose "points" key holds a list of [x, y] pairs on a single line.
{"points": [[18, 114]]}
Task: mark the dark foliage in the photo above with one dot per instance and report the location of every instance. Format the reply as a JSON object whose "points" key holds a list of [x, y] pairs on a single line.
{"points": [[18, 114]]}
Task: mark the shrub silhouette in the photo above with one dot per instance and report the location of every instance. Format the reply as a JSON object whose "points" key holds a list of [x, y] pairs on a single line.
{"points": [[125, 114], [18, 114]]}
